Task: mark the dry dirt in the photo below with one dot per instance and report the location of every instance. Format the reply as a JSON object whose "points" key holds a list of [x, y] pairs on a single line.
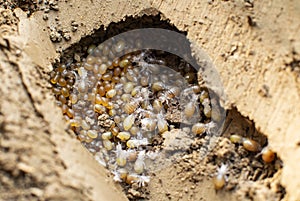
{"points": [[255, 48]]}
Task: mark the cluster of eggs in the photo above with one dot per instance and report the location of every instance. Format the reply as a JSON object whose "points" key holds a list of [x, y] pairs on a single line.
{"points": [[117, 104]]}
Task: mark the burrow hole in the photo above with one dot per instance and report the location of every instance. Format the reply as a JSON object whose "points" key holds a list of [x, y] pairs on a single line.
{"points": [[126, 110]]}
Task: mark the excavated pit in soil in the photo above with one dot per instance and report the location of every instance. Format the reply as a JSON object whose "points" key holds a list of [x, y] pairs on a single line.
{"points": [[247, 173]]}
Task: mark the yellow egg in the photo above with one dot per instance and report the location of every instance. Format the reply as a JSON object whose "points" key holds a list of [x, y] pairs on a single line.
{"points": [[123, 135]]}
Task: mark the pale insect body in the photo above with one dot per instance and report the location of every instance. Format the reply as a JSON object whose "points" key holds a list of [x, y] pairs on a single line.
{"points": [[128, 122], [132, 105], [157, 105], [162, 124], [136, 91], [132, 155], [148, 124], [142, 180], [131, 178], [117, 177], [152, 154], [145, 93], [206, 107], [200, 128], [122, 173], [139, 164], [168, 94], [220, 179], [134, 143], [191, 107], [172, 92], [188, 91], [209, 126], [121, 156]]}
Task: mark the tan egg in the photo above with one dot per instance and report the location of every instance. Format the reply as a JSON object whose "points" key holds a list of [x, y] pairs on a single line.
{"points": [[196, 89], [88, 139], [112, 112], [189, 109], [104, 101], [70, 113], [99, 109], [107, 76], [236, 139], [74, 123], [267, 155], [64, 108], [136, 90], [107, 144], [123, 135], [119, 47], [158, 86], [106, 136], [56, 91], [73, 98], [102, 69], [92, 134], [110, 105], [65, 92], [110, 92], [128, 87], [117, 119], [251, 145], [55, 79], [62, 82], [62, 99], [85, 125], [101, 91], [115, 79], [134, 130], [124, 63]]}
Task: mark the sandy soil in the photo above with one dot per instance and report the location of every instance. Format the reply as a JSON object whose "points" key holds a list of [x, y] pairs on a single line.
{"points": [[255, 48]]}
